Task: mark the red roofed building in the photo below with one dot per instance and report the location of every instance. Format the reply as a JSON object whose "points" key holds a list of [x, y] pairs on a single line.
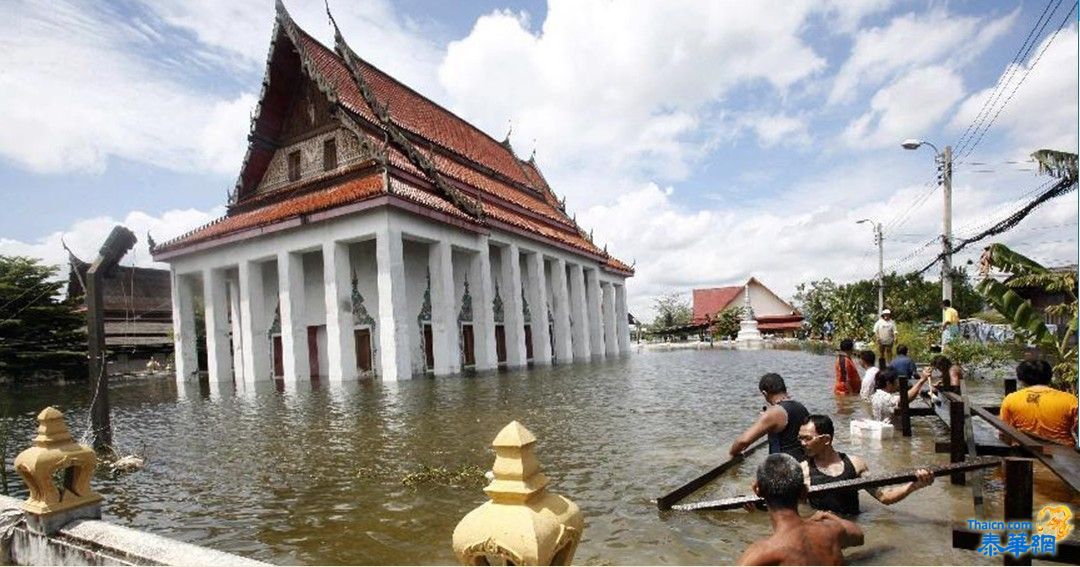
{"points": [[773, 314], [373, 231]]}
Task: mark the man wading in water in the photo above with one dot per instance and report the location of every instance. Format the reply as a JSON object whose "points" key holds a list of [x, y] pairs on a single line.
{"points": [[781, 419], [796, 541]]}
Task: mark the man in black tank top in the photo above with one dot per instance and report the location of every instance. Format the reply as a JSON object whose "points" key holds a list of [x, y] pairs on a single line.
{"points": [[824, 464], [781, 420]]}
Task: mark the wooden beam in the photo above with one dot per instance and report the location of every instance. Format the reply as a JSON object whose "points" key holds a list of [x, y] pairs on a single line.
{"points": [[957, 442], [905, 409], [1019, 497], [984, 449], [1015, 434], [871, 481], [668, 500]]}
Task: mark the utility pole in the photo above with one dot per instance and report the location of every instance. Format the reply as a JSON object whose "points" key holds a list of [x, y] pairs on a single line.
{"points": [[118, 243], [880, 267], [946, 237]]}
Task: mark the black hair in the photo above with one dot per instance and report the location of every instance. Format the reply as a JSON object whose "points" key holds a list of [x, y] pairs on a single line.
{"points": [[868, 357], [946, 303], [941, 363], [780, 481], [772, 383], [1034, 372], [884, 377], [847, 344], [901, 349], [822, 424]]}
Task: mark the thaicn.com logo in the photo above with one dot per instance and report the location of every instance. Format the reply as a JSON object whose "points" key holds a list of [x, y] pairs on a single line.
{"points": [[1052, 524]]}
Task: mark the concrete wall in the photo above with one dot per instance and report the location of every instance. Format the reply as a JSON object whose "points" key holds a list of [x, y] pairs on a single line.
{"points": [[763, 301], [94, 542]]}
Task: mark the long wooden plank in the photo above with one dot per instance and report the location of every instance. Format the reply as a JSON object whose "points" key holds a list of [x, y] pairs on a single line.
{"points": [[972, 453], [872, 481], [666, 501], [1019, 436], [1064, 462]]}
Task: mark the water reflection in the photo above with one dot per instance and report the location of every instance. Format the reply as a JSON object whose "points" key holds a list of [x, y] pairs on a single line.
{"points": [[312, 473]]}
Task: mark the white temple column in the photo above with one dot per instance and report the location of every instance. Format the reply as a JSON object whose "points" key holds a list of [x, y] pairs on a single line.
{"points": [[253, 323], [237, 334], [183, 308], [483, 311], [444, 329], [294, 347], [596, 325], [340, 343], [622, 324], [611, 343], [536, 282], [580, 316], [215, 311], [561, 312], [513, 316], [393, 337]]}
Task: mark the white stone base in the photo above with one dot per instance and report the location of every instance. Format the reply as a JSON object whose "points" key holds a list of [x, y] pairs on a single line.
{"points": [[749, 337]]}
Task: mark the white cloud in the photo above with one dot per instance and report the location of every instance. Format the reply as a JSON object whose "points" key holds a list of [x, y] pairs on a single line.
{"points": [[76, 91], [1043, 112], [911, 41], [912, 105], [86, 236], [616, 90], [778, 129]]}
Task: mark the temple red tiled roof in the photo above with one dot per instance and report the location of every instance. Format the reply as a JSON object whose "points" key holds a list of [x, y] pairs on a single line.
{"points": [[709, 302], [509, 190]]}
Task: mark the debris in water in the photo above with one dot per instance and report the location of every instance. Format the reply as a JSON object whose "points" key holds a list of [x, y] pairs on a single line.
{"points": [[129, 463], [466, 475]]}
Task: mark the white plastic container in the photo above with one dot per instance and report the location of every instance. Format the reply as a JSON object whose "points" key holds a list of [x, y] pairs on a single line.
{"points": [[871, 428]]}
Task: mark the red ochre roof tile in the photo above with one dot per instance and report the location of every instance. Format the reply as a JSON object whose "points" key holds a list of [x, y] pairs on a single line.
{"points": [[709, 302]]}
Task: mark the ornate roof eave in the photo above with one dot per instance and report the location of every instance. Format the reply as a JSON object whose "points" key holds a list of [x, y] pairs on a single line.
{"points": [[463, 202]]}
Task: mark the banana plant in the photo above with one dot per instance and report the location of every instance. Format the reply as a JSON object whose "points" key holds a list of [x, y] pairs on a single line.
{"points": [[1023, 318]]}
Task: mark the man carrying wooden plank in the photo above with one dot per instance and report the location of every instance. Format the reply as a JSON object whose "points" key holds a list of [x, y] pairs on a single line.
{"points": [[817, 540], [824, 464], [781, 420]]}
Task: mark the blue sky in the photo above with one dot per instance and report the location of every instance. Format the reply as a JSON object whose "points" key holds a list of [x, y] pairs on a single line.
{"points": [[708, 142]]}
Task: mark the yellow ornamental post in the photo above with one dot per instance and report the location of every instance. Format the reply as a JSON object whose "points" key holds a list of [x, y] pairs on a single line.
{"points": [[55, 455], [522, 523]]}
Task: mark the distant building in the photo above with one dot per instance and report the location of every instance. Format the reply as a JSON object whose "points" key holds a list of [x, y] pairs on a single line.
{"points": [[1041, 299], [773, 314], [373, 231], [138, 308]]}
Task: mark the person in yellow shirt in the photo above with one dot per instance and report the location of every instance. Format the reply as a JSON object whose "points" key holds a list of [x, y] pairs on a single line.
{"points": [[1038, 409], [950, 322]]}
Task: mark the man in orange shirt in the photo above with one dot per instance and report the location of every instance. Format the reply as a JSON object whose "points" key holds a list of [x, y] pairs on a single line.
{"points": [[1038, 409]]}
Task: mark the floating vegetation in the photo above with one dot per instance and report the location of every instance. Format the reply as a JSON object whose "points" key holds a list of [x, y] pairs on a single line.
{"points": [[372, 472], [466, 475]]}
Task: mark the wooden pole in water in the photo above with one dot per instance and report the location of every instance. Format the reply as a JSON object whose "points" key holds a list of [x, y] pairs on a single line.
{"points": [[666, 501], [957, 442], [118, 243], [1010, 385], [905, 407], [1019, 495]]}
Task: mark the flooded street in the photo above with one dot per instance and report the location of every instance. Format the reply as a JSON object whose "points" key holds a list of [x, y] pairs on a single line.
{"points": [[315, 476]]}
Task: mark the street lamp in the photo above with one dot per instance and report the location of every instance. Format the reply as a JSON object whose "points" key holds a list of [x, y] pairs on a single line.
{"points": [[879, 239], [944, 163]]}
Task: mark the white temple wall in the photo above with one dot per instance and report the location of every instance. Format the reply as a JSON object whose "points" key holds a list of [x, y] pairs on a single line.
{"points": [[763, 302], [314, 292], [416, 270]]}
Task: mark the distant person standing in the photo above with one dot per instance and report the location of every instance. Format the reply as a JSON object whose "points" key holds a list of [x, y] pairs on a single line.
{"points": [[866, 360], [903, 365], [848, 382], [950, 322], [885, 336], [827, 330]]}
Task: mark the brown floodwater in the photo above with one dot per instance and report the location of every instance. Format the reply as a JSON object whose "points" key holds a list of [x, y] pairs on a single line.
{"points": [[314, 475]]}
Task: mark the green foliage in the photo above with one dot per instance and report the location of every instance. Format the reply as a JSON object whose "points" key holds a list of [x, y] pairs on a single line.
{"points": [[726, 322], [1023, 318], [973, 356], [38, 332], [671, 309], [918, 339], [853, 307], [1061, 165]]}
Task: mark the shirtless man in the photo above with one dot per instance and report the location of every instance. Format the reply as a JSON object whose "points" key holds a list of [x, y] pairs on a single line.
{"points": [[795, 540]]}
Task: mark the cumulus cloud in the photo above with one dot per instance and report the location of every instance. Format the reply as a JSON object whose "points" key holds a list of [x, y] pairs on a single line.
{"points": [[77, 90], [914, 104], [623, 89], [937, 37], [1043, 111], [85, 237]]}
